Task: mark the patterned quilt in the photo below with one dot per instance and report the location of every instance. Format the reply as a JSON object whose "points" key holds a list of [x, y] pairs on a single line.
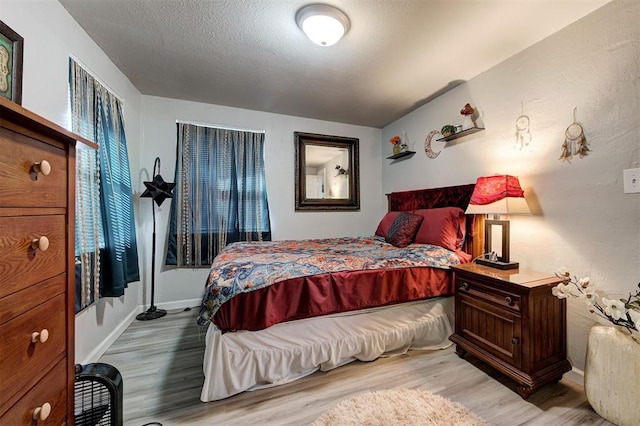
{"points": [[248, 266]]}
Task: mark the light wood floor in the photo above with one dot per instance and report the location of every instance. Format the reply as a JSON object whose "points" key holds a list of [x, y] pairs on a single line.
{"points": [[161, 365]]}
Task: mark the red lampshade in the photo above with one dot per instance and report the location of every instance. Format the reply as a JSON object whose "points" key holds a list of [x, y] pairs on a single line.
{"points": [[499, 194]]}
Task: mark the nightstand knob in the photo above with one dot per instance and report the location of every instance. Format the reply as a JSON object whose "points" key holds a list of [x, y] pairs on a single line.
{"points": [[514, 341], [464, 286], [508, 300]]}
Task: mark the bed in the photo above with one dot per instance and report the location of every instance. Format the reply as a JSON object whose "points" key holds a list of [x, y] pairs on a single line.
{"points": [[281, 310]]}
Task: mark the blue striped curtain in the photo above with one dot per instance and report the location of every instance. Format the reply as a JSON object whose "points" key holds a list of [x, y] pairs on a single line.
{"points": [[106, 247], [220, 195]]}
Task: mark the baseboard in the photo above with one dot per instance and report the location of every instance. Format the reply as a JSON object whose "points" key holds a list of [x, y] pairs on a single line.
{"points": [[575, 375], [179, 304], [99, 350]]}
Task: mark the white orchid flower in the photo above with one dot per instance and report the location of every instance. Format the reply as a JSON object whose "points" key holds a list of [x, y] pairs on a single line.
{"points": [[560, 291], [563, 271], [589, 296], [614, 308], [583, 282]]}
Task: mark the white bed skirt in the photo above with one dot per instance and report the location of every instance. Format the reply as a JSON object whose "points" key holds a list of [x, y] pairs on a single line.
{"points": [[249, 360]]}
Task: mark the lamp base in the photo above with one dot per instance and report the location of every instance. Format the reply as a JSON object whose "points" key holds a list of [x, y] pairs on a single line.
{"points": [[498, 264], [151, 314]]}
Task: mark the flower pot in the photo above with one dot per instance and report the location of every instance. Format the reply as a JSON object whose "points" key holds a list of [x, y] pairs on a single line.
{"points": [[396, 149], [612, 374]]}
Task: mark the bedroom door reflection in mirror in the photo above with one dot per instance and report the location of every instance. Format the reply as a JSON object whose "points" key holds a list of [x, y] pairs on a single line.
{"points": [[326, 173]]}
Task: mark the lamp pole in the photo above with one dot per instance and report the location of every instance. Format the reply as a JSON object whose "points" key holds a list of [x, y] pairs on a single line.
{"points": [[158, 190]]}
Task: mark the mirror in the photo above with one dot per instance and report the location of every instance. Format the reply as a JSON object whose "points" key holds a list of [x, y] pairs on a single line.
{"points": [[327, 172]]}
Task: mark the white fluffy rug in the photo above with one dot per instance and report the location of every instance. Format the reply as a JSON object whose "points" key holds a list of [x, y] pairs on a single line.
{"points": [[399, 407]]}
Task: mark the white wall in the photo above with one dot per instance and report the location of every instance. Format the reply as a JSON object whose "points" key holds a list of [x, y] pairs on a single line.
{"points": [[582, 219], [184, 286], [50, 36]]}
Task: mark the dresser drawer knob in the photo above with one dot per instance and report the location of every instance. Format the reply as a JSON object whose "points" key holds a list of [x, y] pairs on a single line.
{"points": [[42, 167], [464, 286], [41, 243], [509, 300], [40, 336], [42, 413]]}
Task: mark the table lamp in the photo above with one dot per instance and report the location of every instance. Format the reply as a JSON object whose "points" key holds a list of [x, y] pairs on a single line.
{"points": [[497, 195]]}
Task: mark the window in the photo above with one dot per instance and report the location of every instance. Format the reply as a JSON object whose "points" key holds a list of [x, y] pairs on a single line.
{"points": [[106, 249], [220, 195]]}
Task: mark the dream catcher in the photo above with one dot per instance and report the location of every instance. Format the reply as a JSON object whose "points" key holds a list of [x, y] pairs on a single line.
{"points": [[575, 143], [523, 134]]}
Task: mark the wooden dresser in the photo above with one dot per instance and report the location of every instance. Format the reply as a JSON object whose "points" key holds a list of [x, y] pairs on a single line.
{"points": [[510, 320], [37, 190]]}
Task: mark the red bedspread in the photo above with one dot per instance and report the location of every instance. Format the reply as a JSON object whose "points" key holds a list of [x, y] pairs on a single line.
{"points": [[330, 293], [317, 277]]}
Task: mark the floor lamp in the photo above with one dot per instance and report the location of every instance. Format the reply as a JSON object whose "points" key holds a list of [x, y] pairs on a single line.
{"points": [[158, 190]]}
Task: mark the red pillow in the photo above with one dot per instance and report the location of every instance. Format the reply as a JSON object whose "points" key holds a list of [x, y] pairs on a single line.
{"points": [[444, 227], [403, 229], [385, 223]]}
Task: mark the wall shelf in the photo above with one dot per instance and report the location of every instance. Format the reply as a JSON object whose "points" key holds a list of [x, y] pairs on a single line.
{"points": [[400, 155], [470, 131]]}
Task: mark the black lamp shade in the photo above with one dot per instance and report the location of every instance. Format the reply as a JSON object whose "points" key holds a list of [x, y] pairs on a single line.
{"points": [[158, 189]]}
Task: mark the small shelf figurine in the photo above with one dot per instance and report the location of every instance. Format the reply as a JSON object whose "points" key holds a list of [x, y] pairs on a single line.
{"points": [[447, 130], [397, 144], [467, 111]]}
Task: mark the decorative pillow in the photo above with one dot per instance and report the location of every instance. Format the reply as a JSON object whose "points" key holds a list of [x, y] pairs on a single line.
{"points": [[444, 227], [403, 229], [385, 223]]}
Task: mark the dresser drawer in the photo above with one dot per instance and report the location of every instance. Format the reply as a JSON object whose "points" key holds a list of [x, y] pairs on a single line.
{"points": [[21, 265], [489, 293], [22, 360], [20, 186], [52, 390], [22, 301]]}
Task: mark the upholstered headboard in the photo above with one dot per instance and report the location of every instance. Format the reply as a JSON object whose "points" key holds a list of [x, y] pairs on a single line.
{"points": [[450, 196]]}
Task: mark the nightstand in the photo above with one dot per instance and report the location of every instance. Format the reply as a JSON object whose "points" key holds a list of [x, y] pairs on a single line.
{"points": [[510, 320]]}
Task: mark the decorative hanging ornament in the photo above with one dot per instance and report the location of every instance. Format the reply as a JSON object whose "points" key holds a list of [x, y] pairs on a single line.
{"points": [[523, 134], [427, 145], [575, 143]]}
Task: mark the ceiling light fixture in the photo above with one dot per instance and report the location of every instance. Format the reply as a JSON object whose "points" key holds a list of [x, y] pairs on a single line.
{"points": [[323, 24]]}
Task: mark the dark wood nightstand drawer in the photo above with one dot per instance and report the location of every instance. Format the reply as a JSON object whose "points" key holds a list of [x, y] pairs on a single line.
{"points": [[491, 327], [489, 293]]}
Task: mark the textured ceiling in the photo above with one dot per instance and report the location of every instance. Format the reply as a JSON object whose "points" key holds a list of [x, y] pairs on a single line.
{"points": [[250, 53]]}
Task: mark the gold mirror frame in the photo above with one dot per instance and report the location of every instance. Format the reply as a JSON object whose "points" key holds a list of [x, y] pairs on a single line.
{"points": [[352, 169]]}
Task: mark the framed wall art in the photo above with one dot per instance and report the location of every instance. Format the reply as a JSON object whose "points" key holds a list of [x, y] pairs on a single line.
{"points": [[10, 64]]}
